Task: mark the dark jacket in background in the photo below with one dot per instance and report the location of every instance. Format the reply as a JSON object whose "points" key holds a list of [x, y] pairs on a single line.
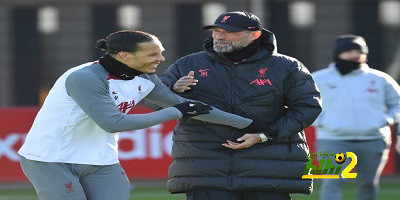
{"points": [[271, 88]]}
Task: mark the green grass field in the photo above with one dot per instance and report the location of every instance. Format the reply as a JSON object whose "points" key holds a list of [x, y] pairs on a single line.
{"points": [[390, 190]]}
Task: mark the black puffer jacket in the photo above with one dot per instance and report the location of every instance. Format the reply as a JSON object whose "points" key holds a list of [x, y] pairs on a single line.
{"points": [[271, 88]]}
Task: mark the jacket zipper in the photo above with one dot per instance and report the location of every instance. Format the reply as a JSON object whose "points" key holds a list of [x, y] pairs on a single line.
{"points": [[230, 180]]}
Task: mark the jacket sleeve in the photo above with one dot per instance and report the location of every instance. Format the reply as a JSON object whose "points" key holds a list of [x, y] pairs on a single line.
{"points": [[317, 122], [164, 97], [303, 103], [392, 100]]}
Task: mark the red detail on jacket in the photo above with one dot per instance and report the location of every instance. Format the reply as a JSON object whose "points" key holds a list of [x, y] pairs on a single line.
{"points": [[261, 82]]}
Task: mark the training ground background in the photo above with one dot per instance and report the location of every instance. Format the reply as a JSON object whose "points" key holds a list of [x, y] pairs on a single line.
{"points": [[54, 35]]}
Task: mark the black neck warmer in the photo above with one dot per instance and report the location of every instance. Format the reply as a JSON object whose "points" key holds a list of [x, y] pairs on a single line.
{"points": [[117, 68], [345, 66], [243, 53]]}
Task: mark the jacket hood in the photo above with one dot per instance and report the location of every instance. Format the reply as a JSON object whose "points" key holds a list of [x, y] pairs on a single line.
{"points": [[268, 45]]}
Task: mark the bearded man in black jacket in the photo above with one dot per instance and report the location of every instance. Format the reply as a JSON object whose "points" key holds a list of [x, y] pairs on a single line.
{"points": [[241, 72]]}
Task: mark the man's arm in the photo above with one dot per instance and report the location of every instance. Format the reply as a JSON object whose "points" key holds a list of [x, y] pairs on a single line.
{"points": [[91, 94], [164, 97], [392, 100], [303, 102]]}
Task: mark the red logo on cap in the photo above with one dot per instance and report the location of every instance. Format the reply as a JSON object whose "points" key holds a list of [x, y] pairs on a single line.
{"points": [[225, 19]]}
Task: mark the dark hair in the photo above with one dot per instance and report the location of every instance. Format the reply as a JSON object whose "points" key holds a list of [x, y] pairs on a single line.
{"points": [[125, 40]]}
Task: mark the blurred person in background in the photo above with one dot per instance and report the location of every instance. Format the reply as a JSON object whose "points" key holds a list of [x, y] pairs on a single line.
{"points": [[359, 106], [241, 72], [71, 151]]}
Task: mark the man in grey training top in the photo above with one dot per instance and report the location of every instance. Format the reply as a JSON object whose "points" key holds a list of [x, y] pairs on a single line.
{"points": [[71, 151]]}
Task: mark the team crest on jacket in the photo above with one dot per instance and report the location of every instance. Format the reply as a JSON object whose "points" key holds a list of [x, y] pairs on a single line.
{"points": [[262, 72], [261, 80]]}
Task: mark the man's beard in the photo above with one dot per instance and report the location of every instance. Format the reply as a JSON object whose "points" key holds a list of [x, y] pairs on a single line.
{"points": [[231, 47]]}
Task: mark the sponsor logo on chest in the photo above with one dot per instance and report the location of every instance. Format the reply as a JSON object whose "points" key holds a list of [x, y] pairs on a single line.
{"points": [[261, 79], [127, 93]]}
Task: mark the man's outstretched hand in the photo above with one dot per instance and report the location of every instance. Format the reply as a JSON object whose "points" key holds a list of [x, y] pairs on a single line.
{"points": [[246, 141], [185, 83]]}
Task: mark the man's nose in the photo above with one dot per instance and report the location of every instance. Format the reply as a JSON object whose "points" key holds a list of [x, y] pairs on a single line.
{"points": [[161, 58], [356, 56]]}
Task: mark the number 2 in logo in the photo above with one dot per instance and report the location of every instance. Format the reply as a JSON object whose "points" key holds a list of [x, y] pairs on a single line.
{"points": [[346, 172]]}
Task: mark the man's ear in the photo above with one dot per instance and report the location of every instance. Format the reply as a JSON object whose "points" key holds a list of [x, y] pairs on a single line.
{"points": [[256, 34], [123, 55]]}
